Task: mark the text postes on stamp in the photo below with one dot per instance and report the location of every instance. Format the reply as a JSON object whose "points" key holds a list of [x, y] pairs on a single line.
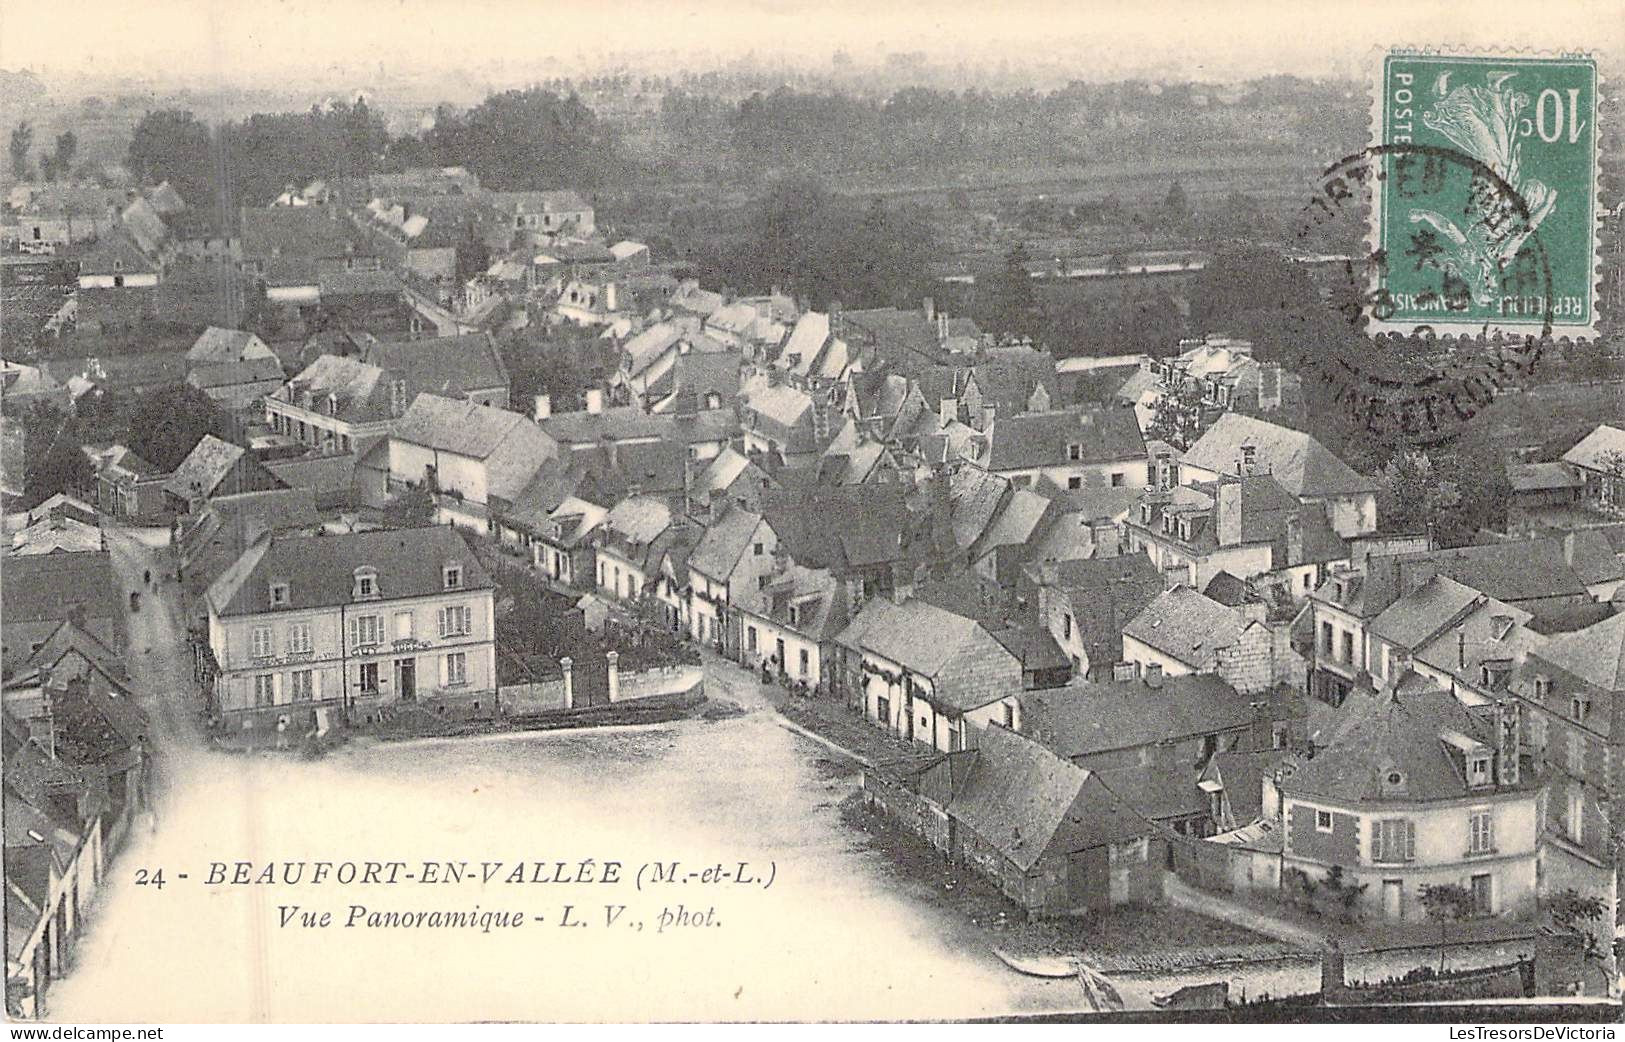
{"points": [[1504, 244]]}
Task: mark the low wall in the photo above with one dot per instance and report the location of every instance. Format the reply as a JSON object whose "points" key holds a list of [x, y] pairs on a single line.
{"points": [[909, 810], [519, 699], [654, 682]]}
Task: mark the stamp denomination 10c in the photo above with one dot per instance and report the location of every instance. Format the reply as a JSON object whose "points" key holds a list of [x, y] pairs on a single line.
{"points": [[1502, 240]]}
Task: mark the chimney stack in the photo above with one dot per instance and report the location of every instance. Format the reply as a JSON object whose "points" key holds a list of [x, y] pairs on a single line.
{"points": [[1227, 512], [1153, 675], [929, 307], [1294, 540], [595, 401], [902, 581], [544, 407]]}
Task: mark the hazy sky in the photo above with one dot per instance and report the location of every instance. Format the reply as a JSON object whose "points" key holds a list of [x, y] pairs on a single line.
{"points": [[252, 41]]}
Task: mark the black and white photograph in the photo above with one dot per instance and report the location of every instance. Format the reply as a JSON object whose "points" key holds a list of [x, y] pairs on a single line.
{"points": [[773, 512]]}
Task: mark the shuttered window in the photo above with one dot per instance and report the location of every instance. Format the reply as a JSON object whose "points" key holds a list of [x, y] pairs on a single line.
{"points": [[364, 631], [1393, 839], [456, 621], [262, 642]]}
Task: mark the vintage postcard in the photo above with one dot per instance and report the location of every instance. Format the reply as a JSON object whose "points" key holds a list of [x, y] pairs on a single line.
{"points": [[772, 512]]}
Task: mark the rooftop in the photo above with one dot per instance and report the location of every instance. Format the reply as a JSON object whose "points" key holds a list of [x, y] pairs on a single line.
{"points": [[1186, 625], [1303, 466]]}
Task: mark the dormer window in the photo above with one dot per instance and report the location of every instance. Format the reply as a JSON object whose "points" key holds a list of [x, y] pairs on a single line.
{"points": [[1074, 452], [279, 595], [453, 576], [1543, 686], [1478, 770], [1500, 625], [1579, 708], [366, 584]]}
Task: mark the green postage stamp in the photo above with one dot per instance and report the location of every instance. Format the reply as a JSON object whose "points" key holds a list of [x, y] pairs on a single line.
{"points": [[1484, 207]]}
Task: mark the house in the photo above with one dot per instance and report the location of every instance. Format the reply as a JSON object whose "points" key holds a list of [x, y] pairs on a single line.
{"points": [[1222, 374], [338, 405], [236, 386], [588, 302], [1409, 788], [306, 632], [468, 366], [630, 543], [704, 433], [909, 339], [1571, 692], [553, 526], [928, 675], [729, 478], [1241, 445], [735, 553], [814, 355], [330, 479], [1017, 524], [1540, 485], [218, 346], [1051, 836], [787, 619], [53, 868], [551, 213], [116, 262], [1150, 738], [58, 528], [778, 418], [300, 241], [228, 525], [127, 486], [1091, 447], [860, 533], [214, 468], [752, 328], [1182, 631], [1085, 604], [42, 591], [1427, 630], [1599, 461], [468, 456], [1247, 526]]}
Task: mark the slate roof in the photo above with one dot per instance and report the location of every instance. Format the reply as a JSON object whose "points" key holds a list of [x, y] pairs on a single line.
{"points": [[1026, 802], [320, 475], [1185, 625], [1085, 718], [1226, 589], [638, 520], [1416, 617], [47, 586], [1303, 466], [451, 367], [1017, 523], [320, 570], [974, 496], [1592, 557], [115, 254], [204, 467], [644, 349], [1519, 570], [1041, 439], [293, 231], [1593, 451], [360, 388], [1032, 645], [1595, 654], [1541, 477], [66, 639], [1371, 735], [217, 345], [630, 423], [839, 526], [821, 606], [266, 370], [1242, 773], [145, 226], [724, 543], [918, 636], [510, 445], [608, 473]]}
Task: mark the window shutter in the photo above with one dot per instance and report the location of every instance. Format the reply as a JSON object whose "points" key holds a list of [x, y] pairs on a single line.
{"points": [[1410, 840], [445, 661], [316, 685], [441, 615], [1376, 841], [355, 632]]}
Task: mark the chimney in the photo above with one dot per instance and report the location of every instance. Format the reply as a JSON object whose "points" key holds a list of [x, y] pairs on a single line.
{"points": [[595, 401], [1508, 738], [902, 581], [1153, 674], [1568, 548], [609, 296], [929, 307], [1294, 540], [1227, 512], [544, 407], [942, 328], [1124, 671]]}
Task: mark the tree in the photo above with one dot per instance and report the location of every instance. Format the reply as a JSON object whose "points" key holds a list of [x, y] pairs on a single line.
{"points": [[55, 462], [171, 145], [1446, 903], [67, 145], [1177, 416], [22, 139], [1013, 304], [166, 423], [1578, 913], [411, 507], [1413, 496], [1176, 205]]}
